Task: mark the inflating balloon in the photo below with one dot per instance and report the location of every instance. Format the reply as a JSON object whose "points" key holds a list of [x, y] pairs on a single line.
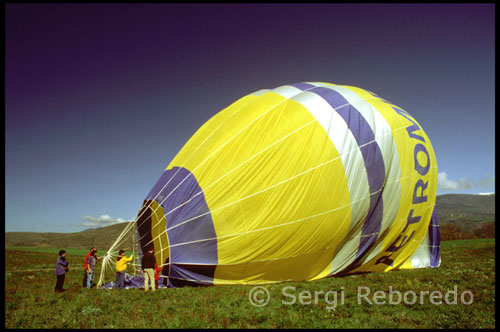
{"points": [[301, 182]]}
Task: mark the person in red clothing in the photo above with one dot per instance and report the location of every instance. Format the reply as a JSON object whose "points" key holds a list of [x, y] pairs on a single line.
{"points": [[85, 267], [157, 274]]}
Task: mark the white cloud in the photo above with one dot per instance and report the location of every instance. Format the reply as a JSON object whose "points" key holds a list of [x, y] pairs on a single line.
{"points": [[104, 220], [452, 185]]}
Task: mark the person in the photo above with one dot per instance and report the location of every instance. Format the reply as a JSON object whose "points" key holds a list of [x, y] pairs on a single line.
{"points": [[84, 283], [148, 264], [157, 275], [62, 266], [91, 262], [121, 268]]}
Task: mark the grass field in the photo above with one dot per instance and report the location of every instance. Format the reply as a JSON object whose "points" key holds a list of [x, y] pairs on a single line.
{"points": [[468, 265]]}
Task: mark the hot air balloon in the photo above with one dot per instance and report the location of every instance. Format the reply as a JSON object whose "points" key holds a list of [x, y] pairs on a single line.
{"points": [[300, 182]]}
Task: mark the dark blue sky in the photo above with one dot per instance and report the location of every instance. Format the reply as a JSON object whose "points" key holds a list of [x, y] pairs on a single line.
{"points": [[101, 97]]}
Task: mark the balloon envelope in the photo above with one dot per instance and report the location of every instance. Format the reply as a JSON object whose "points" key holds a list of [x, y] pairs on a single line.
{"points": [[300, 182]]}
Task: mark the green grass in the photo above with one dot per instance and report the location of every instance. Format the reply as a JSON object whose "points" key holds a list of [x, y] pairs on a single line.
{"points": [[467, 264], [55, 251], [477, 243]]}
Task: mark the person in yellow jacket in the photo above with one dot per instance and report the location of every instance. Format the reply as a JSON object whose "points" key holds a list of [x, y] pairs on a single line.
{"points": [[121, 268]]}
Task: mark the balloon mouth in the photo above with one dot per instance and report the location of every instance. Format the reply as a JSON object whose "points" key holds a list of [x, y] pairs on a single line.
{"points": [[176, 220]]}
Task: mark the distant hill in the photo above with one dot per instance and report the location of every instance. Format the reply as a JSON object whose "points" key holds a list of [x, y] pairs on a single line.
{"points": [[451, 208], [459, 208], [102, 238]]}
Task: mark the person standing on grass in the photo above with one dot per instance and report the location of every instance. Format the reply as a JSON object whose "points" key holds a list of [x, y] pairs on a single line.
{"points": [[121, 268], [157, 274], [148, 264], [62, 266], [85, 272], [91, 262]]}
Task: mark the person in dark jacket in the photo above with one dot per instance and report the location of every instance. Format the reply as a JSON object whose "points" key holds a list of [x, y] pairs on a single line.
{"points": [[148, 269], [62, 266]]}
